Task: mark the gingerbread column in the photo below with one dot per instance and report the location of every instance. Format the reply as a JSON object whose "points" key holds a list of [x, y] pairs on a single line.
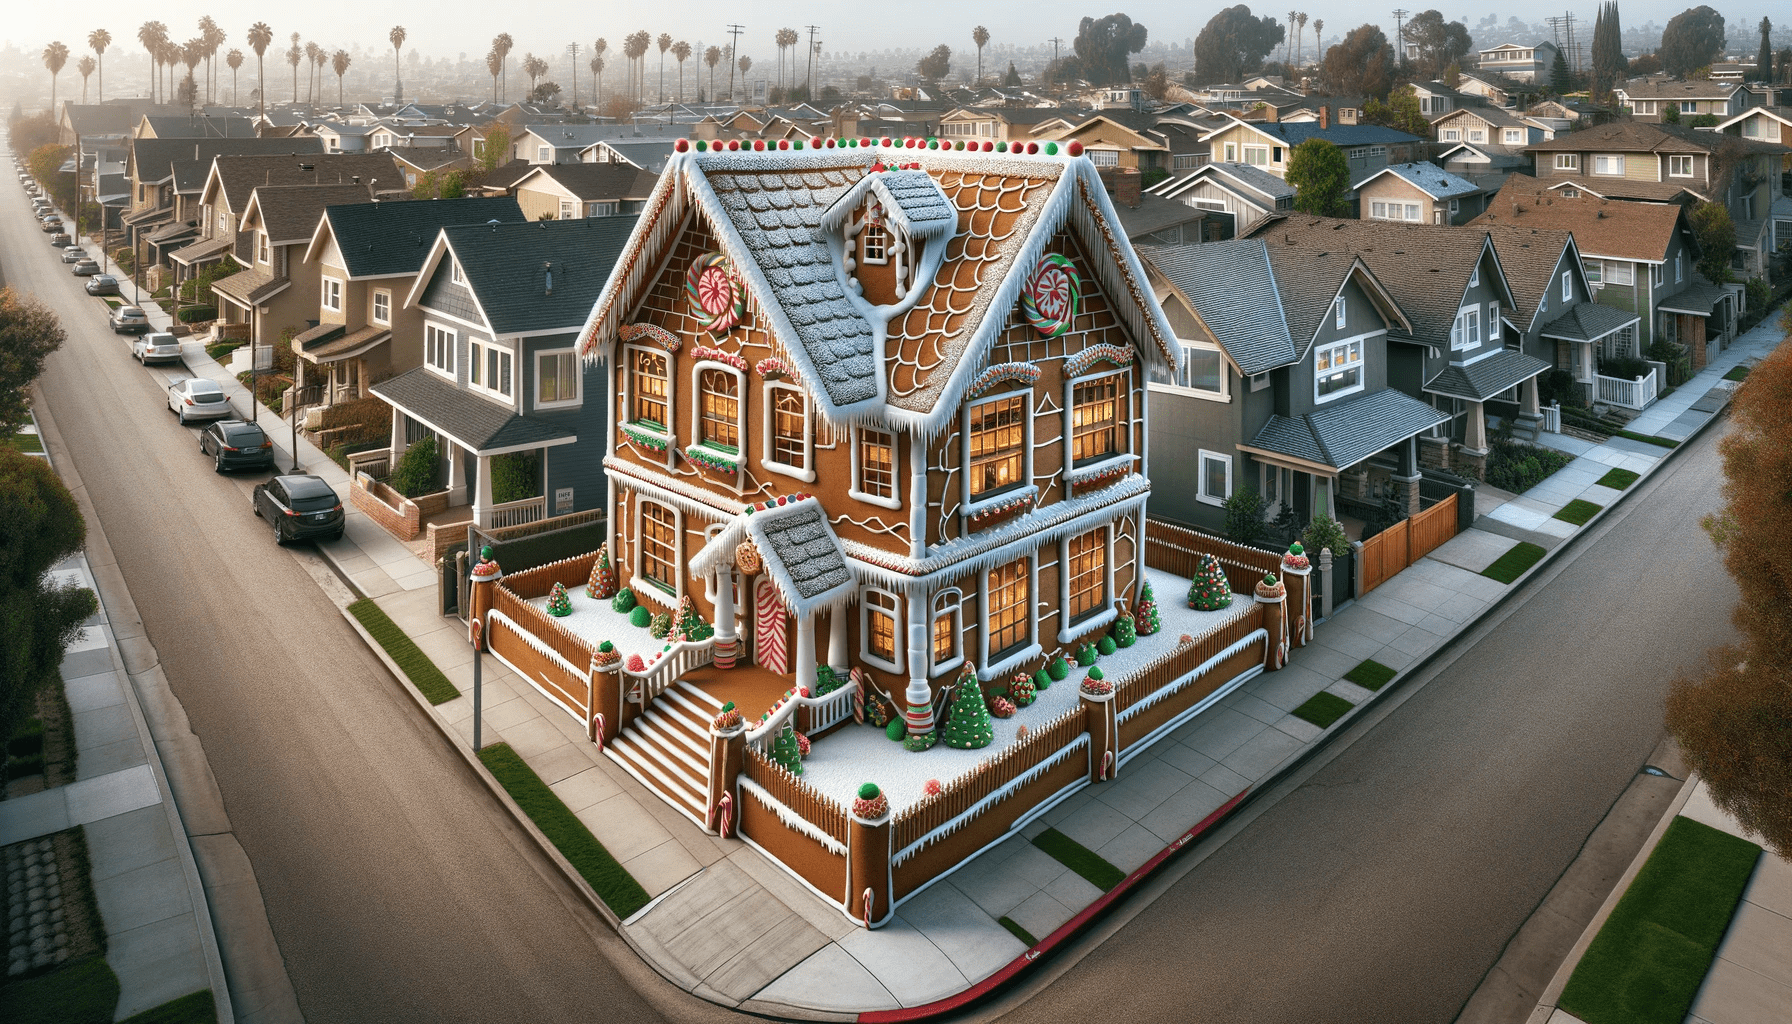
{"points": [[726, 646], [604, 720], [1273, 596], [1097, 695], [727, 750], [1297, 574], [485, 577], [868, 891]]}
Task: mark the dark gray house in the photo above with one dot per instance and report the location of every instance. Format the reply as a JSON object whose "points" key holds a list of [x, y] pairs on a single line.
{"points": [[518, 418]]}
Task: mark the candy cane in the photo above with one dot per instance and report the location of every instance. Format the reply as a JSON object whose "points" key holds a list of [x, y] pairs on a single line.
{"points": [[866, 900], [474, 629], [1107, 764], [720, 814], [597, 730]]}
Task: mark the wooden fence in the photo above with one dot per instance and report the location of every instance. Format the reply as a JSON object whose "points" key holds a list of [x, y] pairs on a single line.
{"points": [[967, 791], [1185, 659], [1178, 549], [1407, 541]]}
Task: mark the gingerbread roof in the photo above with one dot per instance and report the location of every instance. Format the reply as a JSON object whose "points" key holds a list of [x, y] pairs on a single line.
{"points": [[802, 555]]}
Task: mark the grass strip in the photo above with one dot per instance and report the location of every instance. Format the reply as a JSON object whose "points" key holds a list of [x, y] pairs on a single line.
{"points": [[1649, 439], [1370, 675], [1020, 933], [1080, 859], [423, 673], [1618, 479], [84, 992], [1578, 512], [1737, 372], [25, 442], [1648, 961], [1322, 709], [192, 1008], [1513, 563], [615, 886]]}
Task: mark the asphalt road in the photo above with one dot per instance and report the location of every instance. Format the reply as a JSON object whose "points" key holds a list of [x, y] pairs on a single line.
{"points": [[397, 888]]}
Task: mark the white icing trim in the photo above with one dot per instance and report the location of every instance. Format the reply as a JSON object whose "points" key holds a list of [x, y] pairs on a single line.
{"points": [[1157, 695], [1007, 790], [792, 820]]}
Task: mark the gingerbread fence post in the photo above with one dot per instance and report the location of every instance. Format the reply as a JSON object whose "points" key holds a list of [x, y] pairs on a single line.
{"points": [[605, 710], [1097, 695], [1297, 574], [727, 751], [868, 889], [1272, 594], [485, 577]]}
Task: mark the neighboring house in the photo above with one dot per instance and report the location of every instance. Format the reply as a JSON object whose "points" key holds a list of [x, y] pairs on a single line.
{"points": [[415, 165], [344, 138], [1154, 220], [1419, 193], [1530, 63], [1638, 258], [1486, 165], [1109, 141], [1437, 99], [1240, 193], [274, 292], [1004, 124], [572, 191], [648, 154], [1282, 383], [1649, 98], [501, 380], [194, 125], [1182, 138], [565, 143], [1266, 144], [1490, 87], [1334, 109], [1489, 126], [366, 256], [165, 208]]}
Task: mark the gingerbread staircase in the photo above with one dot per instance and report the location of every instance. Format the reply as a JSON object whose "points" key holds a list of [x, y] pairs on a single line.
{"points": [[666, 749]]}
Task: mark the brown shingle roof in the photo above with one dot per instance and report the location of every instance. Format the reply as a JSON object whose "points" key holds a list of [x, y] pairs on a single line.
{"points": [[1615, 229], [1644, 137], [1529, 255], [291, 212], [1672, 88], [241, 175]]}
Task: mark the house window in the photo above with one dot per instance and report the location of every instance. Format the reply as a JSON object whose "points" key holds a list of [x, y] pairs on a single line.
{"points": [[875, 458], [1474, 275], [1750, 128], [488, 368], [1618, 272], [719, 409], [1689, 106], [1680, 166], [659, 546], [1594, 271], [438, 348], [1567, 286], [1203, 368], [1088, 574], [1338, 312], [1216, 478], [1095, 419], [1657, 275], [565, 209], [478, 147], [1257, 156], [1493, 321], [1645, 106], [263, 254], [1609, 163], [1231, 152], [1514, 135], [877, 629], [948, 626], [649, 402], [1103, 157], [455, 274], [874, 243], [998, 440], [1477, 135], [1338, 368], [1567, 161], [332, 294], [1451, 135], [382, 307], [1465, 333], [1679, 267], [543, 154], [787, 434], [556, 378], [1009, 602]]}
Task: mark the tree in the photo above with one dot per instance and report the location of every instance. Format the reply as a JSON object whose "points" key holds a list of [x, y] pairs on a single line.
{"points": [[1300, 36], [1734, 721], [312, 54], [213, 37], [339, 63], [967, 725], [1102, 45], [935, 65], [1561, 80], [1318, 41], [37, 616], [786, 751], [55, 56], [1608, 52], [1692, 39], [784, 39], [1233, 44], [29, 332], [711, 57], [1157, 81], [152, 35], [503, 44], [547, 93], [1320, 175], [1145, 614], [681, 52], [191, 54], [1012, 79], [98, 40], [1400, 112], [1209, 591], [664, 42], [980, 36], [260, 36], [235, 59], [1441, 42], [1764, 56], [1362, 64], [396, 38], [294, 54], [1645, 64], [85, 66], [1716, 235]]}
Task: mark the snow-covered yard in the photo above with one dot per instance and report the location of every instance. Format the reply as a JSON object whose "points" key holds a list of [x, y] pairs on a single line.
{"points": [[595, 621]]}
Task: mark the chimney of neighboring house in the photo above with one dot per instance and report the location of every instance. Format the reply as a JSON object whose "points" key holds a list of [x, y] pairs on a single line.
{"points": [[1270, 114], [1325, 116], [1127, 182]]}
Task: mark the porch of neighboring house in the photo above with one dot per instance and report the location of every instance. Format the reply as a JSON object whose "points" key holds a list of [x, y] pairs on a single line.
{"points": [[1508, 377], [190, 260], [1591, 337], [241, 298], [1701, 319], [159, 245], [333, 362]]}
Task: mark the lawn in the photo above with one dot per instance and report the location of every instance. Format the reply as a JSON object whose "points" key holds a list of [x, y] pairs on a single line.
{"points": [[25, 442], [1513, 563], [1322, 709], [1080, 859], [1618, 479], [423, 673], [1020, 933], [1660, 442], [84, 992], [1737, 372], [1370, 675], [615, 886], [1647, 962], [1578, 512]]}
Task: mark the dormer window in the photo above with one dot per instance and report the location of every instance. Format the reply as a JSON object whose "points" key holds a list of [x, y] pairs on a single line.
{"points": [[874, 243], [880, 259]]}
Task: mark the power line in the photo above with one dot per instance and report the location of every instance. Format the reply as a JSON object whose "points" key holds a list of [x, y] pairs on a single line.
{"points": [[733, 56]]}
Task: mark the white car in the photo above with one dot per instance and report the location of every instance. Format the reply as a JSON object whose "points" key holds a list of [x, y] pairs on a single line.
{"points": [[198, 398], [156, 347]]}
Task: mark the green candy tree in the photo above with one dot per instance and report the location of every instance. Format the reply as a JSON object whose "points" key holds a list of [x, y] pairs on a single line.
{"points": [[1145, 612], [786, 751], [967, 727], [1209, 591], [558, 602]]}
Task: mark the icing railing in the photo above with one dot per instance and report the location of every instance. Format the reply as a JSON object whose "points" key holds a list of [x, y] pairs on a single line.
{"points": [[824, 711], [653, 679]]}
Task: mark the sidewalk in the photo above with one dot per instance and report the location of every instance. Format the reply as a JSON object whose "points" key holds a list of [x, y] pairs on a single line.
{"points": [[728, 925]]}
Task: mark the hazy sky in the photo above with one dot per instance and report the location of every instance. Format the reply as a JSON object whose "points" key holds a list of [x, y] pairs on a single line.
{"points": [[445, 28]]}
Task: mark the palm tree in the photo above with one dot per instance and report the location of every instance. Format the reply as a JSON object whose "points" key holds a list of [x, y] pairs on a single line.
{"points": [[85, 66], [1288, 41], [504, 44], [151, 35], [980, 36], [1319, 39], [1300, 38], [235, 59], [712, 57], [191, 54], [681, 52], [260, 35], [171, 58], [397, 38], [494, 64], [339, 62], [55, 56], [313, 55], [665, 43], [635, 47], [293, 55], [214, 37], [530, 62], [744, 63], [319, 61], [597, 71], [99, 39]]}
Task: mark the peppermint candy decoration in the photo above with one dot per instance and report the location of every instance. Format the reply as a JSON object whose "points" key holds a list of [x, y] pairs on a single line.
{"points": [[717, 301], [1054, 295]]}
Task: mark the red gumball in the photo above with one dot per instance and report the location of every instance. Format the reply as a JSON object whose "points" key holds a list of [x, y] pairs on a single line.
{"points": [[1032, 148], [759, 145], [733, 144], [1075, 148], [681, 145]]}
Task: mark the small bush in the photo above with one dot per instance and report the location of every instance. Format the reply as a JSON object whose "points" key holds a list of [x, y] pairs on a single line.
{"points": [[1516, 466], [516, 476], [1623, 367], [624, 601], [1106, 645], [198, 314], [640, 617], [1370, 675], [416, 472], [1057, 670], [1324, 532], [217, 350], [660, 625], [1244, 516]]}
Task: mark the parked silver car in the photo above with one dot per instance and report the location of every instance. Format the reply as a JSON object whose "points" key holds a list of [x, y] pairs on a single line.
{"points": [[73, 254], [102, 284], [156, 347], [198, 398], [129, 320]]}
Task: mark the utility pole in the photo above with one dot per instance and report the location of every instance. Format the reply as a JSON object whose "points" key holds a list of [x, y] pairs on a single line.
{"points": [[1400, 14], [1054, 41], [810, 78], [733, 56]]}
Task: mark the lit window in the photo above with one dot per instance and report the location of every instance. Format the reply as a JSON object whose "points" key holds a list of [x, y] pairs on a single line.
{"points": [[1338, 368], [998, 438], [948, 625], [789, 413], [647, 389], [382, 307], [879, 627], [1567, 161], [1008, 603], [1095, 420], [659, 546], [719, 414], [438, 348], [556, 377], [1088, 574], [1216, 478], [877, 463]]}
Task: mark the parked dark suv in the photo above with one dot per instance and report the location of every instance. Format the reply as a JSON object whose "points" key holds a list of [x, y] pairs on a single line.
{"points": [[235, 444], [300, 507]]}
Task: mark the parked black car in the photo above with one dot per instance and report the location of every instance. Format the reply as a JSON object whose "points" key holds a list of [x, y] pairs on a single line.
{"points": [[299, 507], [235, 444]]}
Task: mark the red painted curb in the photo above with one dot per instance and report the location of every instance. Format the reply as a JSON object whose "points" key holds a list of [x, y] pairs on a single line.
{"points": [[1014, 967]]}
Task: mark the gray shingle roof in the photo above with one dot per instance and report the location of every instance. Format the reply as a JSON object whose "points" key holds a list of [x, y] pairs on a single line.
{"points": [[507, 266], [1233, 290], [806, 549], [1529, 256], [1345, 434], [1428, 178], [777, 213], [291, 212], [1255, 177], [473, 422], [394, 238], [1588, 321], [1297, 132], [1698, 298], [611, 182], [153, 159], [1485, 378]]}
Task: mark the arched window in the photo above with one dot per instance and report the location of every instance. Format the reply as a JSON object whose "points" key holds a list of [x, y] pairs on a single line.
{"points": [[878, 631], [948, 629]]}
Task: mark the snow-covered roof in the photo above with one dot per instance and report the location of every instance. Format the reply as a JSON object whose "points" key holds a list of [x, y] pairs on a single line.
{"points": [[912, 199], [802, 555]]}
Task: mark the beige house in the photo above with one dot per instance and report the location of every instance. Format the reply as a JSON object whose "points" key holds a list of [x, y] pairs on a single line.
{"points": [[1419, 193], [1110, 143], [1006, 124], [1649, 99], [274, 291], [574, 191]]}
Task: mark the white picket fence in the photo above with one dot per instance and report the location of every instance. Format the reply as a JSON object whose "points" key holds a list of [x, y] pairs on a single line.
{"points": [[1626, 394]]}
